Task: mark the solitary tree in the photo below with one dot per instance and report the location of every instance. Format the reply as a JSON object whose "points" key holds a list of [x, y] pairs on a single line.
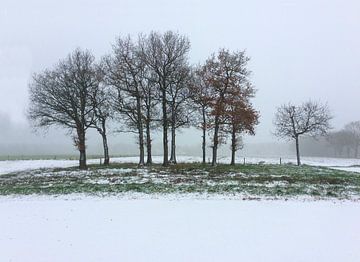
{"points": [[63, 96], [310, 118]]}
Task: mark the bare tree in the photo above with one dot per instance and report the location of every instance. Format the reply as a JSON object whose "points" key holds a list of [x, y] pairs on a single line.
{"points": [[310, 118], [354, 129], [151, 112], [124, 71], [62, 96], [163, 54], [103, 111], [179, 109], [200, 95]]}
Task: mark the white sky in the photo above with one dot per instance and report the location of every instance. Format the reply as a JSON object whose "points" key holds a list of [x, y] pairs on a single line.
{"points": [[300, 49]]}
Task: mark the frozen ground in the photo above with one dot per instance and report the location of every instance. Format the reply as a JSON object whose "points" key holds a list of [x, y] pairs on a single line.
{"points": [[8, 166], [78, 228]]}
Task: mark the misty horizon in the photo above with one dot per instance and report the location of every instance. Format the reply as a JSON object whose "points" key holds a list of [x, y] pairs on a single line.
{"points": [[292, 58]]}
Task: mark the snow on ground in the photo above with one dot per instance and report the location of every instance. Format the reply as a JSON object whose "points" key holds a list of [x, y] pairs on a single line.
{"points": [[65, 229], [8, 166], [348, 168]]}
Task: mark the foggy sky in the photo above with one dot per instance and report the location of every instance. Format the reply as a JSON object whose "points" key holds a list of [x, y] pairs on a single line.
{"points": [[299, 49]]}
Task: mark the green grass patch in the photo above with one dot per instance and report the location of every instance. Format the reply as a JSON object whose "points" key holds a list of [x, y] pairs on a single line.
{"points": [[252, 180]]}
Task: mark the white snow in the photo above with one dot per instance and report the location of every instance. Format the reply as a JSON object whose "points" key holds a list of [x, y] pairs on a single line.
{"points": [[8, 166], [111, 229], [348, 168]]}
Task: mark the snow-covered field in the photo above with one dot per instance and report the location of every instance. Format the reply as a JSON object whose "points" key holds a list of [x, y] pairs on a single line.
{"points": [[172, 227], [109, 229], [8, 166]]}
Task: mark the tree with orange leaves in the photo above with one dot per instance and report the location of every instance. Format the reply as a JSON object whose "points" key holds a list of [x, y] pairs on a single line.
{"points": [[241, 118], [230, 90]]}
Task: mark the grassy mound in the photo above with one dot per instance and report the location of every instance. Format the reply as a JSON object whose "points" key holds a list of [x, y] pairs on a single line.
{"points": [[270, 181]]}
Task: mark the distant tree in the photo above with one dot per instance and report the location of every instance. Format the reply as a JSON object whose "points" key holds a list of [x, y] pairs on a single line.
{"points": [[163, 55], [310, 118], [62, 96], [341, 141], [228, 78], [103, 111], [354, 129]]}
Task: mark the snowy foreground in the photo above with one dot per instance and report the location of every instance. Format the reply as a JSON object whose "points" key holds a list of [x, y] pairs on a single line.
{"points": [[132, 226], [80, 228], [9, 166]]}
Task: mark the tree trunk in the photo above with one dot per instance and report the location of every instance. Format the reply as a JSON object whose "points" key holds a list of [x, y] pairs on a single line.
{"points": [[148, 142], [105, 143], [173, 136], [141, 132], [82, 149], [106, 149], [232, 163], [165, 129], [173, 145], [141, 148], [216, 142], [204, 137], [297, 150], [233, 147]]}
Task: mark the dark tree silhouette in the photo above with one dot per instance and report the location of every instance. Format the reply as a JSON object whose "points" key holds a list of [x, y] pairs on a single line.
{"points": [[103, 111], [62, 96], [310, 118], [164, 54], [179, 106], [150, 109], [125, 71], [201, 98]]}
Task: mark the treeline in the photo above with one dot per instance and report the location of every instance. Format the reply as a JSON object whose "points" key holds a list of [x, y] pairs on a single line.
{"points": [[346, 142], [147, 84]]}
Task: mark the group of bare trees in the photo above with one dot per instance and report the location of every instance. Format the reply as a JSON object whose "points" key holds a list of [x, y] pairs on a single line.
{"points": [[143, 85]]}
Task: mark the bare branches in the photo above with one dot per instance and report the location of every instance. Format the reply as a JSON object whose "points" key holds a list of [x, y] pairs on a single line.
{"points": [[63, 96], [165, 55], [144, 84], [310, 118]]}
